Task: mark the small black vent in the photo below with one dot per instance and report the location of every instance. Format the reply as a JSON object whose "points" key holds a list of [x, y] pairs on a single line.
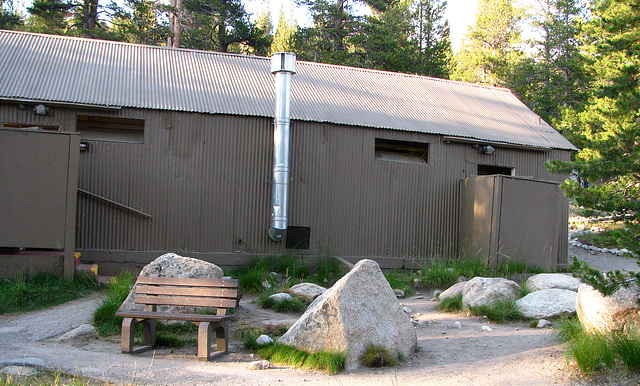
{"points": [[298, 237]]}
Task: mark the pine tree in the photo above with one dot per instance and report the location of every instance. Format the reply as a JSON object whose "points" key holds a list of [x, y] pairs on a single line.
{"points": [[431, 35], [284, 37], [492, 44], [138, 21], [607, 128], [9, 19]]}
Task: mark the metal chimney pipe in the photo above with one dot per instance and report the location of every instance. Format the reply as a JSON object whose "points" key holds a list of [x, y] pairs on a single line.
{"points": [[283, 64]]}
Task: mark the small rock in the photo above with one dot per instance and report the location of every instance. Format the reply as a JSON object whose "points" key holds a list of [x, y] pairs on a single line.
{"points": [[280, 297], [399, 293], [264, 340], [542, 323], [418, 297], [452, 291], [407, 310], [436, 293], [82, 331], [486, 328], [307, 290], [266, 284], [457, 324], [259, 365]]}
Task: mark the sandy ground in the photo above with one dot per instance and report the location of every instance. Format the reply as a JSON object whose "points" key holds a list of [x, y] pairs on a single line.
{"points": [[472, 351]]}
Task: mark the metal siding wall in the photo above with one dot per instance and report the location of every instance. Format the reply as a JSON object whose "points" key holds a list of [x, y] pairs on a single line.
{"points": [[206, 180]]}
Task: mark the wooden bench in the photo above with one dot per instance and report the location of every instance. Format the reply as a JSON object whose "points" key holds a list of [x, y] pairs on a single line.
{"points": [[222, 294]]}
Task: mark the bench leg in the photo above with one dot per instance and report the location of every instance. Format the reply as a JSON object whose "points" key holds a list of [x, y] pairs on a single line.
{"points": [[149, 332], [205, 330], [129, 332]]}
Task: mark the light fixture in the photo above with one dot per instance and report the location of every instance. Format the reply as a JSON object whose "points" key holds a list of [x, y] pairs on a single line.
{"points": [[41, 110], [485, 149]]}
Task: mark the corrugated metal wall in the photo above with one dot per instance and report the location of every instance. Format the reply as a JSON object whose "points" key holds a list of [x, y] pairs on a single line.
{"points": [[205, 180]]}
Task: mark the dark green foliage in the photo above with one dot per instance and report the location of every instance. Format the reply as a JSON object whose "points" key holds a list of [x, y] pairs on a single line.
{"points": [[377, 356], [249, 334], [332, 363], [21, 294], [568, 328], [104, 317], [606, 283], [453, 304], [259, 270], [499, 312]]}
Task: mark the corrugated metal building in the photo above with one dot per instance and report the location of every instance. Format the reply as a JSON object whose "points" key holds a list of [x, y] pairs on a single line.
{"points": [[181, 144]]}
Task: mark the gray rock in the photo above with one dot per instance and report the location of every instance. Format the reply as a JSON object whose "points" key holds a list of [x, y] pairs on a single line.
{"points": [[481, 291], [436, 293], [542, 323], [259, 365], [358, 310], [280, 297], [599, 313], [553, 280], [307, 291], [264, 340], [547, 303], [173, 265], [81, 332], [453, 291], [399, 293]]}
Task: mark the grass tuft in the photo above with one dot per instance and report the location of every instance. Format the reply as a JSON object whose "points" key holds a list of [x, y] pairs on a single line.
{"points": [[591, 352], [287, 305], [290, 356], [627, 346], [117, 291], [499, 312], [377, 356], [453, 304]]}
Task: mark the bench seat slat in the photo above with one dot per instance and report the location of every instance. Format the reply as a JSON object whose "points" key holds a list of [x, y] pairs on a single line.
{"points": [[225, 283], [185, 301], [187, 291], [172, 316]]}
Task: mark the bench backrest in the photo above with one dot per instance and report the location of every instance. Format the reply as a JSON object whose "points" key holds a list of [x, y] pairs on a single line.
{"points": [[221, 294]]}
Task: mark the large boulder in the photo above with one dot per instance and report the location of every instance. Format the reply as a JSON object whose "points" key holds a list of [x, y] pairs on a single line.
{"points": [[547, 303], [173, 265], [599, 313], [360, 309], [307, 291], [453, 291], [552, 280], [485, 291]]}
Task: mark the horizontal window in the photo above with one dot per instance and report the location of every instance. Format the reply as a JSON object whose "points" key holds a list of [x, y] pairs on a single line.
{"points": [[488, 170], [92, 127], [402, 151]]}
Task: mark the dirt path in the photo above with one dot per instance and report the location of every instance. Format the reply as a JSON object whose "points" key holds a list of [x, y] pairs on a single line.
{"points": [[471, 351]]}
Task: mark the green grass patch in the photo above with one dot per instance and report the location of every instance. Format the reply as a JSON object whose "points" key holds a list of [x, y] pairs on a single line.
{"points": [[117, 291], [400, 280], [327, 271], [331, 363], [591, 352], [499, 312], [377, 356], [445, 273], [627, 346], [453, 304], [248, 335], [22, 294], [287, 305]]}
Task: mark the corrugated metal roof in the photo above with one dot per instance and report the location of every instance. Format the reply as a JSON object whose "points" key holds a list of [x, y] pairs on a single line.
{"points": [[95, 72]]}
